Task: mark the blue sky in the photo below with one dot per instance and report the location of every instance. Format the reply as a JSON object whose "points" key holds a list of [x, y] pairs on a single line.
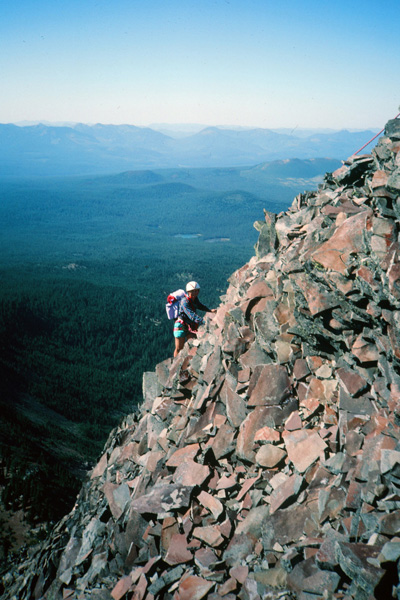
{"points": [[258, 63]]}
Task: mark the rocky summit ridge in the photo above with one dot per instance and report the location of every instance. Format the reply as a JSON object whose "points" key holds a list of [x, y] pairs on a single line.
{"points": [[264, 461]]}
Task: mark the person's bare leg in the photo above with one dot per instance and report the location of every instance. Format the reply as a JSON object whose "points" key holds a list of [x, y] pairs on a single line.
{"points": [[179, 343]]}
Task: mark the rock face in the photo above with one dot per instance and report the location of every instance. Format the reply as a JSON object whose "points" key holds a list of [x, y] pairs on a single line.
{"points": [[265, 459]]}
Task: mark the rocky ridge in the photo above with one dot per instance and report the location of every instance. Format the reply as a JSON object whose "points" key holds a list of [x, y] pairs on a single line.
{"points": [[265, 459]]}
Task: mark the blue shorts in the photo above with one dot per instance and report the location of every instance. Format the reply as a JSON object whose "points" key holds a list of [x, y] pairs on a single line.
{"points": [[180, 329]]}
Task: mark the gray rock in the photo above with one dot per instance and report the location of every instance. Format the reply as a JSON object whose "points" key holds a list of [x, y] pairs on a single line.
{"points": [[267, 239], [163, 498], [392, 129], [358, 562]]}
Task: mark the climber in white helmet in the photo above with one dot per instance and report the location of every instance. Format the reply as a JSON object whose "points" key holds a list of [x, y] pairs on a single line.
{"points": [[188, 321]]}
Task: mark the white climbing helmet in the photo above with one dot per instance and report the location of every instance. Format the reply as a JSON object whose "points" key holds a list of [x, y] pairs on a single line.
{"points": [[192, 285]]}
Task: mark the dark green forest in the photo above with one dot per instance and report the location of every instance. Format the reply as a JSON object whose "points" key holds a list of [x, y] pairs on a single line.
{"points": [[72, 355], [85, 268]]}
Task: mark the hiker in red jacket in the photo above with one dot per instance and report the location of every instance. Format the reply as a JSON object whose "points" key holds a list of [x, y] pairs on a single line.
{"points": [[188, 321]]}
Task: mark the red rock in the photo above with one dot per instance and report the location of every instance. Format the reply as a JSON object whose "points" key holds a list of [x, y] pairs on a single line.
{"points": [[151, 459], [353, 498], [368, 276], [209, 535], [284, 348], [346, 208], [122, 587], [211, 503], [219, 420], [244, 375], [342, 283], [302, 388], [238, 549], [310, 552], [309, 406], [247, 503], [257, 419], [316, 297], [169, 528], [199, 430], [347, 239], [379, 180], [352, 381], [272, 387], [222, 310], [256, 372], [205, 557], [178, 550], [191, 473], [307, 576], [331, 503], [239, 573], [118, 497], [193, 588], [140, 589], [293, 422], [229, 585], [258, 306], [222, 443], [226, 482], [300, 369], [304, 447], [267, 434], [314, 363], [254, 356], [246, 486], [129, 452], [213, 365], [202, 399], [282, 313], [183, 454], [235, 405], [225, 528], [247, 335], [365, 351], [259, 290], [269, 456], [240, 469], [238, 277], [100, 467], [286, 492], [316, 390]]}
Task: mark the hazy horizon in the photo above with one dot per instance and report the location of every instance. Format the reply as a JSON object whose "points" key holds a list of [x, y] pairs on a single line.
{"points": [[254, 64], [188, 128]]}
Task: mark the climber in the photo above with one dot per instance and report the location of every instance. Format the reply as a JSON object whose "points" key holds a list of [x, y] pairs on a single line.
{"points": [[188, 321]]}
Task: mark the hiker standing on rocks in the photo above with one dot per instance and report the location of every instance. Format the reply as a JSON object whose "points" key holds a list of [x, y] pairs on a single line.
{"points": [[188, 321]]}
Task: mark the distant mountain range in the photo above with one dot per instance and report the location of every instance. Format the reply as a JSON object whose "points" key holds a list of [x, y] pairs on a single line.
{"points": [[48, 150]]}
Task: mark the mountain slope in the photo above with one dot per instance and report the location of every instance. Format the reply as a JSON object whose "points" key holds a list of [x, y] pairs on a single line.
{"points": [[264, 462], [42, 150]]}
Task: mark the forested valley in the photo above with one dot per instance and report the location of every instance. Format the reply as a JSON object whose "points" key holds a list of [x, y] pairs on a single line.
{"points": [[72, 356]]}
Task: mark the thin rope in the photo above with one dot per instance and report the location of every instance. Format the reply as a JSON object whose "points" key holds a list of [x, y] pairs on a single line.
{"points": [[372, 139]]}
